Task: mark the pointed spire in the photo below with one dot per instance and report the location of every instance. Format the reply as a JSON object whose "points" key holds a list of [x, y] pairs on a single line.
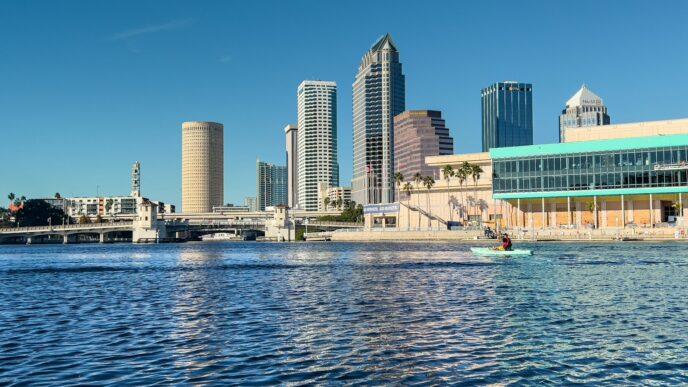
{"points": [[584, 97], [384, 43]]}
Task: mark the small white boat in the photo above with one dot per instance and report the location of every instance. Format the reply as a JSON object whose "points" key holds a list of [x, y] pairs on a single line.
{"points": [[221, 236], [490, 252]]}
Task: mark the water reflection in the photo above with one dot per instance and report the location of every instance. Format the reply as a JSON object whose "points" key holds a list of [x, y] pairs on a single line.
{"points": [[249, 313]]}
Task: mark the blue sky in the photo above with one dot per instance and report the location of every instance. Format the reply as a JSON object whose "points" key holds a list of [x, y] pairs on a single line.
{"points": [[87, 88]]}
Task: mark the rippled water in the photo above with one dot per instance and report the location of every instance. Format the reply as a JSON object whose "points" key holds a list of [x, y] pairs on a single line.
{"points": [[250, 313]]}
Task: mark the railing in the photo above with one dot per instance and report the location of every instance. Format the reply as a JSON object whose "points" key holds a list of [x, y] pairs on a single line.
{"points": [[423, 212], [65, 227]]}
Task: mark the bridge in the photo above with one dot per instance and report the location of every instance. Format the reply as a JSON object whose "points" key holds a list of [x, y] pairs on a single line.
{"points": [[66, 231], [175, 224]]}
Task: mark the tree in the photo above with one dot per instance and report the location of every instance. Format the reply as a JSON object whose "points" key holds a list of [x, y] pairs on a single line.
{"points": [[11, 196], [99, 219], [57, 195], [326, 202], [398, 179], [418, 179], [462, 174], [108, 205], [36, 212], [428, 182], [476, 171], [83, 219], [338, 203], [408, 188], [447, 174]]}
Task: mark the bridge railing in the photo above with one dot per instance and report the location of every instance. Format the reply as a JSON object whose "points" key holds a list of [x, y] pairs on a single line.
{"points": [[65, 227]]}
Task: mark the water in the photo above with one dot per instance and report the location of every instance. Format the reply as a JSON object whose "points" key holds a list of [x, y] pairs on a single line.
{"points": [[249, 313]]}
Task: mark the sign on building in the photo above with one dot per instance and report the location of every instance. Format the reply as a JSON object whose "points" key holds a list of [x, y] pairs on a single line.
{"points": [[381, 208]]}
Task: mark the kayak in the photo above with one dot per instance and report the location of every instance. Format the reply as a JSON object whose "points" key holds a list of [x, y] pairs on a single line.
{"points": [[488, 251]]}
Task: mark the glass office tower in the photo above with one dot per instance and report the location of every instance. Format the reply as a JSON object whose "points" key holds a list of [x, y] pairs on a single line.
{"points": [[507, 115]]}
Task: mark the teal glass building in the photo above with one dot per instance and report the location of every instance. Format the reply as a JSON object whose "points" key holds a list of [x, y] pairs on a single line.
{"points": [[507, 115]]}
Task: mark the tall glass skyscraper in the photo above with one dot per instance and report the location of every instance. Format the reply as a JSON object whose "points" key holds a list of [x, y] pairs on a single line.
{"points": [[507, 115], [585, 108], [378, 95], [271, 185]]}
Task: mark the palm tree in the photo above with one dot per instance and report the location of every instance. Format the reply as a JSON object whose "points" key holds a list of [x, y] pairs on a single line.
{"points": [[428, 182], [447, 174], [462, 175], [338, 203], [398, 179], [326, 202], [57, 195], [408, 188], [476, 171], [418, 179], [11, 196]]}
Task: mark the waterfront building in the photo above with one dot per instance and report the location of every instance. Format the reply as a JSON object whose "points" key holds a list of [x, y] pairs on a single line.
{"points": [[378, 96], [271, 185], [316, 140], [417, 135], [338, 197], [251, 203], [507, 115], [202, 166], [291, 133], [635, 129], [584, 109], [619, 181]]}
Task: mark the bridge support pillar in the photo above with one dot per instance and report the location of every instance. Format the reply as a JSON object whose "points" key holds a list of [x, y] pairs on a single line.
{"points": [[102, 237], [65, 239], [28, 240]]}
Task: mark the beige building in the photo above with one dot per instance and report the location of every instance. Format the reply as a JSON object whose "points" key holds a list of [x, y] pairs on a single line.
{"points": [[629, 175], [635, 129], [202, 166]]}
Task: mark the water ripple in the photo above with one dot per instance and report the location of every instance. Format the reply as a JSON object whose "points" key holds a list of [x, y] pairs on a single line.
{"points": [[256, 314]]}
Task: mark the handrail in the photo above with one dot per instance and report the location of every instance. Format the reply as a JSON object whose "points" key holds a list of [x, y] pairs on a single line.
{"points": [[67, 227]]}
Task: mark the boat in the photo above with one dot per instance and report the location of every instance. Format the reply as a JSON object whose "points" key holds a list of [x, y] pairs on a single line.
{"points": [[221, 236], [488, 251]]}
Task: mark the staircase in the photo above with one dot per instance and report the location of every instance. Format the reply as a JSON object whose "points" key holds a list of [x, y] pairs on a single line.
{"points": [[424, 213]]}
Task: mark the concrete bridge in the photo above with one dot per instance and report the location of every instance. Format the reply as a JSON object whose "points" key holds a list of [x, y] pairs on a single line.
{"points": [[65, 231]]}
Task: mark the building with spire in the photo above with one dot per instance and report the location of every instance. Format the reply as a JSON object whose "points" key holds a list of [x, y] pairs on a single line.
{"points": [[378, 95], [584, 109]]}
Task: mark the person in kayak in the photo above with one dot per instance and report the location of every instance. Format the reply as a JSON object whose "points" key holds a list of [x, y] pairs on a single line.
{"points": [[506, 244]]}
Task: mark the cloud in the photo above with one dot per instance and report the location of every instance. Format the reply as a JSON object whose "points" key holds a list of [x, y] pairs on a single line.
{"points": [[133, 32], [225, 59]]}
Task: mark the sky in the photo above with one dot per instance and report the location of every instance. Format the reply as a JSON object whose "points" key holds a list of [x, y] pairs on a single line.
{"points": [[89, 87]]}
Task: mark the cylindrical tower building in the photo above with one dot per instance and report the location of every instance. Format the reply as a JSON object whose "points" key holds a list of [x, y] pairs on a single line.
{"points": [[202, 166]]}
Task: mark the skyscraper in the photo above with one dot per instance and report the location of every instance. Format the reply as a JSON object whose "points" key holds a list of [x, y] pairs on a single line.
{"points": [[585, 108], [202, 166], [378, 95], [507, 115], [271, 185], [418, 134], [316, 140], [291, 133]]}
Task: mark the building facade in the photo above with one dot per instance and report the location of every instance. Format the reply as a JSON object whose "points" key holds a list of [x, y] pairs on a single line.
{"points": [[634, 129], [271, 185], [202, 166], [378, 95], [251, 203], [337, 197], [584, 109], [507, 115], [291, 134], [316, 140], [417, 135]]}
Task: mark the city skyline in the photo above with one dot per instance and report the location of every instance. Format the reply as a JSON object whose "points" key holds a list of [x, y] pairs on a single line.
{"points": [[114, 96]]}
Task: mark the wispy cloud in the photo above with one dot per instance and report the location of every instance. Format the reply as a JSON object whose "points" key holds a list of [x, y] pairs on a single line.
{"points": [[133, 32], [225, 59]]}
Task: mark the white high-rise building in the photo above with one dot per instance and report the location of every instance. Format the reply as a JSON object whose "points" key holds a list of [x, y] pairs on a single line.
{"points": [[585, 108], [316, 140], [378, 95], [291, 132]]}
